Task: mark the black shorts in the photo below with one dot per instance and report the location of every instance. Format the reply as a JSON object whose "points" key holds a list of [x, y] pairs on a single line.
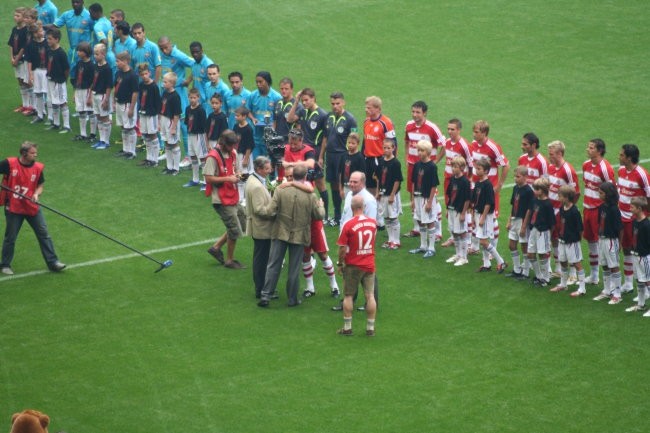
{"points": [[333, 166], [372, 171]]}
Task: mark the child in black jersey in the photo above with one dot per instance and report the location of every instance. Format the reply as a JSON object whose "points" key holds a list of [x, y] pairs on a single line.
{"points": [[641, 252], [389, 204], [541, 222], [569, 237], [610, 228]]}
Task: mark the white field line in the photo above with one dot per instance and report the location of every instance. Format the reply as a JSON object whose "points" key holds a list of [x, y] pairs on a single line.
{"points": [[4, 278]]}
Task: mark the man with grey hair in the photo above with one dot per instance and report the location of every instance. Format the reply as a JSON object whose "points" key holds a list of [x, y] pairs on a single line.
{"points": [[259, 226]]}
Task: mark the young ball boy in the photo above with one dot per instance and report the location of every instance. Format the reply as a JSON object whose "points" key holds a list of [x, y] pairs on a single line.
{"points": [[569, 237], [245, 148], [522, 197], [483, 204], [17, 44], [58, 70], [149, 108], [610, 227], [542, 221], [195, 119], [641, 252], [101, 97], [126, 100], [424, 178], [389, 203], [217, 121], [84, 74], [351, 162], [36, 58], [170, 128], [458, 195]]}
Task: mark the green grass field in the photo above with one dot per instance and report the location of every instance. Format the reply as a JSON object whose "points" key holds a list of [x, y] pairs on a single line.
{"points": [[108, 345]]}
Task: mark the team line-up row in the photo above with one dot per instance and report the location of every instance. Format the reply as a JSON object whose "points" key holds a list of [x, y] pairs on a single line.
{"points": [[327, 133]]}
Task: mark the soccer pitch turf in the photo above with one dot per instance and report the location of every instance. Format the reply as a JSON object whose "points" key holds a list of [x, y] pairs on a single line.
{"points": [[108, 345]]}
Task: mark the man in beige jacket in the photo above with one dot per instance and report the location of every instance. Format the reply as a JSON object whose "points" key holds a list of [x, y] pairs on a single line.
{"points": [[293, 209], [259, 226]]}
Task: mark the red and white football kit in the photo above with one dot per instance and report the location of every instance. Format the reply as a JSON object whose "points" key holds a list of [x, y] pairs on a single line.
{"points": [[452, 150], [565, 174], [537, 167], [633, 183], [428, 131], [593, 175], [358, 234], [493, 153]]}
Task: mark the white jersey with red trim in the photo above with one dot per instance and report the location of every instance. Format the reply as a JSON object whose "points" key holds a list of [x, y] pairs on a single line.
{"points": [[593, 175], [537, 167], [493, 152], [565, 174], [452, 150], [633, 183], [428, 131]]}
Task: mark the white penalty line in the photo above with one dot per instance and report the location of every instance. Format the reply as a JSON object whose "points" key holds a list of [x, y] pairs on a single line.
{"points": [[108, 260]]}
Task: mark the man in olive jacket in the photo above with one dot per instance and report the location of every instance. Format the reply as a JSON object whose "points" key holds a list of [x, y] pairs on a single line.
{"points": [[259, 226], [293, 209]]}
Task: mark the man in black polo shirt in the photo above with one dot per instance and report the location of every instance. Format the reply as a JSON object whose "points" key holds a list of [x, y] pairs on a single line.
{"points": [[340, 123]]}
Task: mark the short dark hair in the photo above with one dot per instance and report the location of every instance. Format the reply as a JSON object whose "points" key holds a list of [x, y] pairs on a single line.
{"points": [[137, 26], [235, 74], [55, 33], [456, 122], [421, 105], [123, 26], [96, 7], [196, 44], [337, 95]]}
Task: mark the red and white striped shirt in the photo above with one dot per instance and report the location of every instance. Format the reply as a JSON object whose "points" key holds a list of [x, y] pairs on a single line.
{"points": [[631, 184], [593, 175], [537, 167], [428, 131], [452, 150], [493, 152], [565, 174]]}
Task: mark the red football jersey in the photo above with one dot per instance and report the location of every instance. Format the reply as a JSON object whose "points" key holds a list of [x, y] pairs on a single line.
{"points": [[593, 175], [428, 131], [493, 152], [460, 148], [358, 235], [565, 174], [537, 167], [631, 184]]}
